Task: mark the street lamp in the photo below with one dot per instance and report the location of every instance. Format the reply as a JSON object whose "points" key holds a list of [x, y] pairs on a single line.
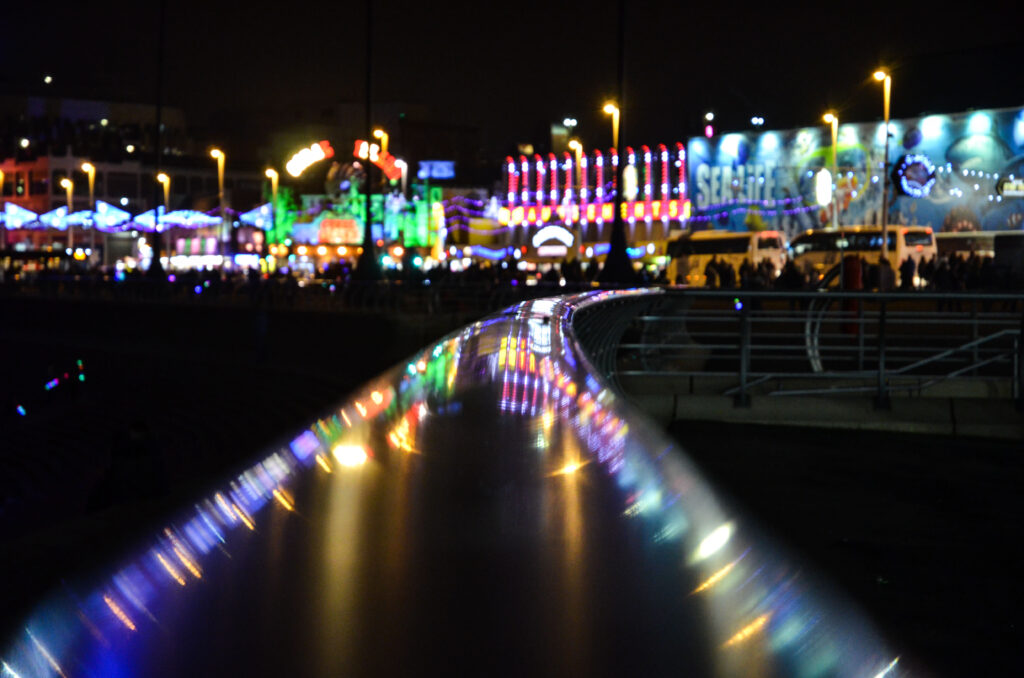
{"points": [[165, 181], [613, 110], [833, 119], [90, 171], [883, 77], [69, 186], [577, 148], [404, 166], [273, 176], [383, 136], [218, 155]]}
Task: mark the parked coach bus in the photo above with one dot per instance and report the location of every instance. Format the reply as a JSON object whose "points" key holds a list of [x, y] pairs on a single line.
{"points": [[816, 251], [691, 252]]}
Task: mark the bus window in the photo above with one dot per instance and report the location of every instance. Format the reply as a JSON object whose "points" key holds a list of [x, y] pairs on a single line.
{"points": [[915, 238], [721, 245]]}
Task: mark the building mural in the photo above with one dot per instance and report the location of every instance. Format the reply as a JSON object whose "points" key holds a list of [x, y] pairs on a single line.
{"points": [[950, 172]]}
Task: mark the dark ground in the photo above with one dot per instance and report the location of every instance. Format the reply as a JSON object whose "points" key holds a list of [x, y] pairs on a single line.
{"points": [[922, 531]]}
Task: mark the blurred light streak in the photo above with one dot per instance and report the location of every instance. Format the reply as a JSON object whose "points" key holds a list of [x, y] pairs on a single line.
{"points": [[361, 408], [243, 517], [345, 417], [715, 578], [322, 461], [170, 569], [376, 397], [225, 508], [189, 565], [46, 654], [350, 455], [283, 500], [8, 671], [119, 613], [748, 630], [714, 542], [887, 669]]}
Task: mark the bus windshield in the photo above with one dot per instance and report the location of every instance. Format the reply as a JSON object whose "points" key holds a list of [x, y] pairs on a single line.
{"points": [[736, 245]]}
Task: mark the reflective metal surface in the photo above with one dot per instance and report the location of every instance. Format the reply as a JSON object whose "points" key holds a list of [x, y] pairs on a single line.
{"points": [[490, 507]]}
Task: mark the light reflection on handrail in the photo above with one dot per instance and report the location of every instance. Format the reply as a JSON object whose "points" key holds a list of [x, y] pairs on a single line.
{"points": [[753, 599]]}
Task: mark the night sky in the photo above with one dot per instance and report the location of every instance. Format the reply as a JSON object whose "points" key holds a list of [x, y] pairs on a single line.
{"points": [[512, 67]]}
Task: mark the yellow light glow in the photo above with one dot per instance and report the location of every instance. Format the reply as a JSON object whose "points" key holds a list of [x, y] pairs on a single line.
{"points": [[376, 397], [569, 469], [378, 133], [244, 518], [828, 117], [119, 613], [88, 167], [271, 174], [66, 183], [344, 416], [187, 562], [324, 464], [421, 366], [342, 251], [283, 500], [880, 75], [350, 455], [216, 153], [163, 178], [715, 578], [171, 570], [610, 108], [575, 145], [398, 251], [748, 630], [321, 250], [302, 250]]}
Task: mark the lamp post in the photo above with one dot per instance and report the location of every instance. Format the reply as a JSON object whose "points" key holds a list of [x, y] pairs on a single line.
{"points": [[383, 136], [90, 171], [69, 186], [613, 110], [883, 77], [404, 166], [3, 226], [833, 119], [577, 148], [165, 181], [218, 155], [273, 176]]}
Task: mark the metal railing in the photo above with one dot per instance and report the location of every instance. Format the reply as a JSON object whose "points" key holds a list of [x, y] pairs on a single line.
{"points": [[743, 343]]}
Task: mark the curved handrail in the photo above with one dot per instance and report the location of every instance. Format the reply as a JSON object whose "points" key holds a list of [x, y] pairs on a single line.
{"points": [[490, 503]]}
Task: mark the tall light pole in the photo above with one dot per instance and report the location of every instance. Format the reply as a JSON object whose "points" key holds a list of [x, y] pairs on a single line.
{"points": [[3, 226], [613, 110], [577, 148], [383, 136], [218, 155], [165, 181], [90, 171], [69, 186], [273, 176], [833, 119], [883, 77]]}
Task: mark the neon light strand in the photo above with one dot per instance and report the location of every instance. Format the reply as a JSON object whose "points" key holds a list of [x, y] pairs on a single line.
{"points": [[568, 177], [553, 173], [648, 182], [583, 189], [599, 181], [539, 163], [510, 166], [681, 159], [524, 179]]}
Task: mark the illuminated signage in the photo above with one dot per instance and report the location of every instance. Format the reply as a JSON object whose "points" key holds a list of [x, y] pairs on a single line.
{"points": [[823, 187], [1010, 187], [382, 159], [916, 175], [307, 156], [436, 169], [559, 233], [552, 251], [340, 232]]}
